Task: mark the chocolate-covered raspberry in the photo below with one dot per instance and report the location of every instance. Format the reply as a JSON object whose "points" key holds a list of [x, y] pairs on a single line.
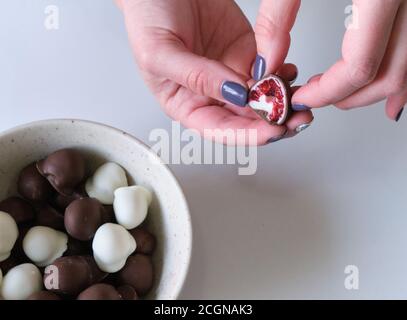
{"points": [[100, 291], [64, 169], [145, 240], [138, 273], [83, 217], [18, 208], [33, 186]]}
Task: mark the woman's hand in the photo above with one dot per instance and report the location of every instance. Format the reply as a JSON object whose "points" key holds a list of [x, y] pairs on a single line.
{"points": [[196, 57], [374, 63]]}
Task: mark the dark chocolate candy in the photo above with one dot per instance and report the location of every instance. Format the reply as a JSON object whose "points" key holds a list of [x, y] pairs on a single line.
{"points": [[100, 291], [63, 201], [109, 214], [49, 217], [83, 217], [75, 273], [18, 208], [138, 273], [33, 186], [78, 248], [44, 295], [145, 240], [127, 292], [64, 169]]}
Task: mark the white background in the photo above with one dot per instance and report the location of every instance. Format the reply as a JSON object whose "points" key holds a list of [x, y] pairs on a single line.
{"points": [[333, 196]]}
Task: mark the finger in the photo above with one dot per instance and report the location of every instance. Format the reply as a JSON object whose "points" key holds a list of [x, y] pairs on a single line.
{"points": [[273, 25], [223, 126], [201, 75], [166, 56], [395, 105], [363, 51], [392, 78]]}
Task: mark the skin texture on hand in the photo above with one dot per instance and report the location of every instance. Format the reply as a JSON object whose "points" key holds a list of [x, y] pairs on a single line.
{"points": [[187, 50], [373, 66]]}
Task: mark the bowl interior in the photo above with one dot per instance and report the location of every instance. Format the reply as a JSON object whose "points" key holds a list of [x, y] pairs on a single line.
{"points": [[168, 216]]}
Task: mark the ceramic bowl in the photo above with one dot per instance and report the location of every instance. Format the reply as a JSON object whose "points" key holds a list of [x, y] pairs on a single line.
{"points": [[168, 216]]}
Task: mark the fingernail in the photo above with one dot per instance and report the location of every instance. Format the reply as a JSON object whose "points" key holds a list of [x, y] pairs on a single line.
{"points": [[300, 107], [278, 138], [259, 68], [302, 127], [234, 93], [399, 115]]}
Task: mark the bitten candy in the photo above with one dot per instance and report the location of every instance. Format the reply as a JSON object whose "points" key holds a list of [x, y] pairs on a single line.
{"points": [[43, 245], [21, 282], [8, 235], [138, 273], [64, 169], [74, 274], [19, 209], [106, 179], [33, 186], [270, 98], [131, 205], [100, 291], [83, 217], [111, 246]]}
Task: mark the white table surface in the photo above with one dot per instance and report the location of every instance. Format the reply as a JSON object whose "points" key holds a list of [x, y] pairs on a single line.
{"points": [[333, 196]]}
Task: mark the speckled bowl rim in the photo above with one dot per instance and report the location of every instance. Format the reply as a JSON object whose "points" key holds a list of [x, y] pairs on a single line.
{"points": [[148, 150]]}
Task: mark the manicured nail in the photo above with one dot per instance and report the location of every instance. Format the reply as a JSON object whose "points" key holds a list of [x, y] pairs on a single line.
{"points": [[399, 115], [300, 107], [234, 93], [302, 127], [259, 68], [278, 138]]}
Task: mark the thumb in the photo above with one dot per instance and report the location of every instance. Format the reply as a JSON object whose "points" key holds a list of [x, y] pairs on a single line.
{"points": [[274, 23]]}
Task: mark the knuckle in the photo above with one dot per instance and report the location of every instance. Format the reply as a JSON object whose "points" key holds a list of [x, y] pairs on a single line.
{"points": [[197, 81], [145, 60], [362, 72], [396, 84]]}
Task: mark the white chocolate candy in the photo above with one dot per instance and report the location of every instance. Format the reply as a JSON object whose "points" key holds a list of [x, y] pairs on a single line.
{"points": [[44, 245], [131, 205], [21, 281], [111, 246], [106, 179], [8, 234]]}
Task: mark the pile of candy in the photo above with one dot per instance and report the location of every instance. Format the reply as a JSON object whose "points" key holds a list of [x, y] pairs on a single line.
{"points": [[73, 237]]}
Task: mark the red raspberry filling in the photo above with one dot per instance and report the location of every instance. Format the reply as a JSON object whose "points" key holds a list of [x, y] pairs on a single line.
{"points": [[274, 95]]}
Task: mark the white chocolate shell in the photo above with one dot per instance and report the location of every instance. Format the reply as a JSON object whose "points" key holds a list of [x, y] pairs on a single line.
{"points": [[8, 235], [43, 245], [21, 281], [131, 205], [112, 245], [106, 179]]}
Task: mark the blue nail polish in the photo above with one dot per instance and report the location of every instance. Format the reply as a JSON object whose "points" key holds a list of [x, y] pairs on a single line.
{"points": [[300, 107], [275, 139], [302, 127], [399, 115], [259, 68], [234, 93]]}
